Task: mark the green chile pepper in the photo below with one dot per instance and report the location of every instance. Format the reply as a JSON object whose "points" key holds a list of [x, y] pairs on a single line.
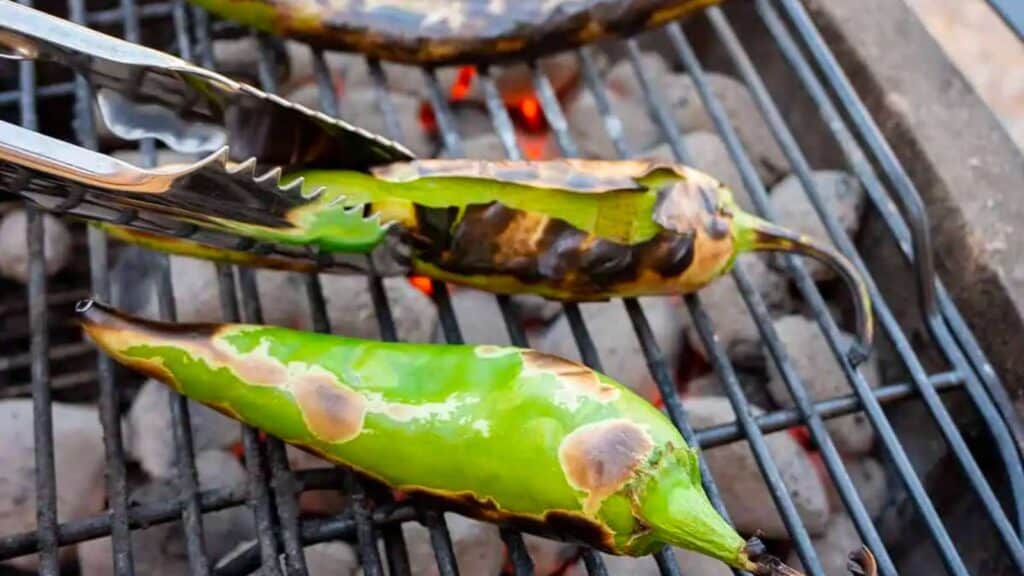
{"points": [[502, 434], [573, 230]]}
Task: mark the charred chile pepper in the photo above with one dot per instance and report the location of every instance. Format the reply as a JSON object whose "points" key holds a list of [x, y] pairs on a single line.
{"points": [[453, 424], [565, 229], [427, 32]]}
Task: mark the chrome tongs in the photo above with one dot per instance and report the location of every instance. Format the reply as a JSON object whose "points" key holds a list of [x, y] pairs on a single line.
{"points": [[243, 135]]}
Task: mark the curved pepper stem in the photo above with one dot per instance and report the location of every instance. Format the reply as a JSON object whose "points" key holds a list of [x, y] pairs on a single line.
{"points": [[755, 234]]}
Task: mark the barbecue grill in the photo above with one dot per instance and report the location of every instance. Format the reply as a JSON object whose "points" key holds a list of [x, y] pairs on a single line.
{"points": [[272, 489]]}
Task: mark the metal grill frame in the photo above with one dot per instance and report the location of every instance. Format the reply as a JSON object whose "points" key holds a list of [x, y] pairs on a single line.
{"points": [[272, 488]]}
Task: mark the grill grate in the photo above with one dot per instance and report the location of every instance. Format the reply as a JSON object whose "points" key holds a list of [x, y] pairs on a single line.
{"points": [[272, 489]]}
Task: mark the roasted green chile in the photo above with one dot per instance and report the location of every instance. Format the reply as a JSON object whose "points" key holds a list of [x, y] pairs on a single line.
{"points": [[573, 230], [502, 434], [428, 32]]}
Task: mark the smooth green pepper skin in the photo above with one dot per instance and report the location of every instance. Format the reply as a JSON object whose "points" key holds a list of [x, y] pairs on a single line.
{"points": [[503, 434]]}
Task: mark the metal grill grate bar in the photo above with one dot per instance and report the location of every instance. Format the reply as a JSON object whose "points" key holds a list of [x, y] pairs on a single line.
{"points": [[1000, 428], [887, 320]]}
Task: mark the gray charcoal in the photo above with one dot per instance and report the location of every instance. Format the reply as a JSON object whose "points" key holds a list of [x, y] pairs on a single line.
{"points": [[588, 127], [733, 323], [820, 373], [742, 113], [834, 546], [479, 317], [352, 313], [238, 58], [549, 556], [843, 197], [320, 502], [160, 550], [707, 154], [14, 257], [481, 147], [478, 547], [688, 562], [149, 421], [361, 107], [331, 559], [612, 331], [741, 483], [78, 457], [533, 308], [869, 479], [681, 96], [752, 383]]}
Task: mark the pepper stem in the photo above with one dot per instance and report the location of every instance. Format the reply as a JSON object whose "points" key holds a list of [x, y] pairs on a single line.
{"points": [[755, 234]]}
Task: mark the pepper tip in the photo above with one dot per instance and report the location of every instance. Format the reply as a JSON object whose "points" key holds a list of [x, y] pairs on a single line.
{"points": [[858, 353], [862, 563]]}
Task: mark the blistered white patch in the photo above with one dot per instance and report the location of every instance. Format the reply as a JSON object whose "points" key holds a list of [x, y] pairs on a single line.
{"points": [[402, 412], [484, 427], [490, 351], [568, 398]]}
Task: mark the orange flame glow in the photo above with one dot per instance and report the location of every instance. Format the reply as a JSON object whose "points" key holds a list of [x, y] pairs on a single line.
{"points": [[529, 111], [463, 82], [423, 284]]}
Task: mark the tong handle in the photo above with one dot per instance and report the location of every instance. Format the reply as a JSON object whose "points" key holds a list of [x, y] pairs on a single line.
{"points": [[35, 151]]}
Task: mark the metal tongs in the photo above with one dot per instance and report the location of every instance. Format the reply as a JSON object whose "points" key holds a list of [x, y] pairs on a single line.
{"points": [[242, 136]]}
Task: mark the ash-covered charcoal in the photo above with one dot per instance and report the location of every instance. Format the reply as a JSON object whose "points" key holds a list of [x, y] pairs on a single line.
{"points": [[737, 333], [834, 546], [869, 478], [741, 484], [362, 107], [331, 559], [550, 557], [320, 502], [149, 420], [682, 98], [351, 311], [752, 382], [78, 458], [688, 562], [513, 81], [621, 356], [708, 154], [160, 550], [587, 125], [196, 291], [239, 58], [537, 309], [477, 545], [14, 245], [479, 317], [820, 372], [843, 197], [480, 147]]}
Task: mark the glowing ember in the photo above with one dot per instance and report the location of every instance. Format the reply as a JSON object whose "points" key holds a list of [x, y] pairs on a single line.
{"points": [[422, 283], [534, 146], [427, 118], [529, 112], [463, 82]]}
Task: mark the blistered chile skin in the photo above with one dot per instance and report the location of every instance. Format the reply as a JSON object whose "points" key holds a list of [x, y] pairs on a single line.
{"points": [[503, 434]]}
